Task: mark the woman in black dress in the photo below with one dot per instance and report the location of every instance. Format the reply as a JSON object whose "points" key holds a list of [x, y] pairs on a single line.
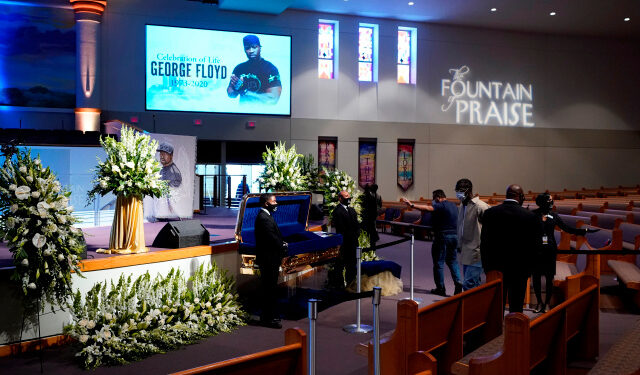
{"points": [[545, 257]]}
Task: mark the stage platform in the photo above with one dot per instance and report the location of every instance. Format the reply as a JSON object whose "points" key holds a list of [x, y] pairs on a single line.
{"points": [[220, 222], [222, 249]]}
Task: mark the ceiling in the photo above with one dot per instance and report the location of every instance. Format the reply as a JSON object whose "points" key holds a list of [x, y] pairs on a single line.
{"points": [[573, 17]]}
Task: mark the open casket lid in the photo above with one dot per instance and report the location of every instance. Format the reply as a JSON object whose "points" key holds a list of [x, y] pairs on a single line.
{"points": [[292, 215]]}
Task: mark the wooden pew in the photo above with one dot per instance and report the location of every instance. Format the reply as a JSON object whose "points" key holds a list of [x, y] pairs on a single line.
{"points": [[570, 329], [439, 329], [288, 359], [567, 277]]}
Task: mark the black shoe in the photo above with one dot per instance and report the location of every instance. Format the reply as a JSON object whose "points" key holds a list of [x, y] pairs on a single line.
{"points": [[273, 323], [541, 308], [439, 292], [458, 289]]}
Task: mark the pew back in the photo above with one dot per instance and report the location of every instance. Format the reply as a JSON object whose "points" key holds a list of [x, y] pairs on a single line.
{"points": [[570, 328], [288, 359], [441, 326]]}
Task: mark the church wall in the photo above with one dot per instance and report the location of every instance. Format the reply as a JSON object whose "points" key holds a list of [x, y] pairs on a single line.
{"points": [[583, 99]]}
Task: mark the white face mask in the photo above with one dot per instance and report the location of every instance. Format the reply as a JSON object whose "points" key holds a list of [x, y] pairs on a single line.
{"points": [[460, 195]]}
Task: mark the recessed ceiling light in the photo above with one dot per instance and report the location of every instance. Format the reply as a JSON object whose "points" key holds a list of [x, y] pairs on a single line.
{"points": [[627, 19], [411, 3], [494, 9], [552, 13]]}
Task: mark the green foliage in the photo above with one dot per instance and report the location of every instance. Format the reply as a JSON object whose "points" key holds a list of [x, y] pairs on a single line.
{"points": [[37, 224], [365, 242], [132, 319], [130, 168]]}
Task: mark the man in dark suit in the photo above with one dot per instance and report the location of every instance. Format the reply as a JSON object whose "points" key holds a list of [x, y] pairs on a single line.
{"points": [[509, 239], [270, 248], [345, 219]]}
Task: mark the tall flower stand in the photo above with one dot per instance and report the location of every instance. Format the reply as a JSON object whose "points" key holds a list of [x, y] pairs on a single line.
{"points": [[127, 230]]}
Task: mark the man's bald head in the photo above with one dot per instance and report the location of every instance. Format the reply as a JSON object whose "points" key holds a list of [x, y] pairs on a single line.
{"points": [[514, 191], [344, 197]]}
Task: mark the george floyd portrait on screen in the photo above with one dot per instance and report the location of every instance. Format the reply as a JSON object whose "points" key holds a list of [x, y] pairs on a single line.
{"points": [[217, 71], [177, 156]]}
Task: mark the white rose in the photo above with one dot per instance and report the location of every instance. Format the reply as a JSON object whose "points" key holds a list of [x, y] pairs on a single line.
{"points": [[23, 169], [196, 300], [91, 324], [108, 316], [35, 194], [70, 209], [47, 252], [12, 187], [62, 219], [129, 183], [29, 178], [56, 189], [39, 240], [83, 338], [60, 257], [23, 192], [13, 208], [25, 262], [31, 286], [82, 323], [103, 184]]}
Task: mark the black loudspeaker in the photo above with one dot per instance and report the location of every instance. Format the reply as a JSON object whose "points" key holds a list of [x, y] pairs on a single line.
{"points": [[178, 234]]}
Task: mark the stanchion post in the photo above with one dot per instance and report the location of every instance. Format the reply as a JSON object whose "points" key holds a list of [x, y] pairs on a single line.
{"points": [[413, 298], [313, 315], [377, 292], [358, 328]]}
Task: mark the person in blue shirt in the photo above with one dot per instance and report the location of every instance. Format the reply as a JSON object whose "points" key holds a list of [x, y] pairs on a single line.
{"points": [[444, 218]]}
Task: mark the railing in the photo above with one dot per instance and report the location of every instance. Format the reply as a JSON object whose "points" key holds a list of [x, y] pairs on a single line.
{"points": [[218, 190]]}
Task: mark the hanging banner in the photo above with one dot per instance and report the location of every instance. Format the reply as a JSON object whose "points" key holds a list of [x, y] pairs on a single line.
{"points": [[405, 163], [367, 162], [327, 154]]}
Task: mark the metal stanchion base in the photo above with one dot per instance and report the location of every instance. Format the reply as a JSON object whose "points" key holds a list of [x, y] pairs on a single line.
{"points": [[353, 328]]}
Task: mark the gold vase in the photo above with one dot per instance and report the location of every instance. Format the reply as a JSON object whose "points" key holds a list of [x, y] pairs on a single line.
{"points": [[127, 230]]}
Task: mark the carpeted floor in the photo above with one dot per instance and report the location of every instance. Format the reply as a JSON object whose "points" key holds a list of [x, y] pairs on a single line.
{"points": [[335, 348]]}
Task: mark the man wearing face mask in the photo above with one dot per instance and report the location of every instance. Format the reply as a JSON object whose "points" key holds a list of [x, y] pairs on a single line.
{"points": [[345, 219], [510, 238], [444, 218], [469, 228], [545, 256], [270, 249]]}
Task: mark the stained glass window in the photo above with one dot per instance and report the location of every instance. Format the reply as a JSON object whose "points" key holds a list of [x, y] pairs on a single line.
{"points": [[366, 53], [406, 55], [327, 31]]}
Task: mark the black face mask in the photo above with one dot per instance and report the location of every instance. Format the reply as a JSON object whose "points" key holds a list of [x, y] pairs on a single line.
{"points": [[546, 206], [346, 201], [272, 207]]}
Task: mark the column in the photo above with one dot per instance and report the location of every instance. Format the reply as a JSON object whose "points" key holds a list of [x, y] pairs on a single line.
{"points": [[88, 18]]}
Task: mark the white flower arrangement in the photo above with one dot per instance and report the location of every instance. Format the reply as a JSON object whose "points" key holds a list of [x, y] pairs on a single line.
{"points": [[282, 171], [36, 223], [130, 168], [130, 320], [336, 181]]}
